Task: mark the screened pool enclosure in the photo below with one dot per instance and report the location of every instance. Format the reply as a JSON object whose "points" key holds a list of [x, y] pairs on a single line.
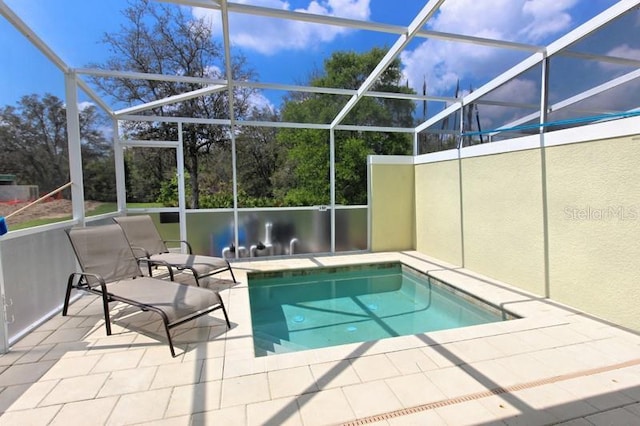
{"points": [[589, 74]]}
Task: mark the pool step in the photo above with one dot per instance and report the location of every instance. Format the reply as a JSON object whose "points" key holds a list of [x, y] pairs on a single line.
{"points": [[267, 344]]}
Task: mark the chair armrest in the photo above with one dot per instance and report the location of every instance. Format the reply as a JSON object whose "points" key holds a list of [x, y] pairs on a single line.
{"points": [[140, 252], [85, 275], [182, 242], [156, 263]]}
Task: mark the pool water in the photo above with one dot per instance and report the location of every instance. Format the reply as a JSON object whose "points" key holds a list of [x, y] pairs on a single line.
{"points": [[321, 307]]}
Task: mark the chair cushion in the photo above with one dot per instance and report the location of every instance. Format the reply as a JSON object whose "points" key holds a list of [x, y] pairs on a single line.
{"points": [[175, 300]]}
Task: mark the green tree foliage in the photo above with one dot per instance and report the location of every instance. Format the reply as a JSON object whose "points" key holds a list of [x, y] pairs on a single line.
{"points": [[165, 39], [34, 146], [303, 176], [146, 172], [257, 158]]}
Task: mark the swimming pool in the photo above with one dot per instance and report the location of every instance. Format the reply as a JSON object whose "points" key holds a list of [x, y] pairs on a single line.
{"points": [[313, 308]]}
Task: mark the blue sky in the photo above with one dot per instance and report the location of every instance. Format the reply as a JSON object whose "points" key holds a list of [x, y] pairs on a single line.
{"points": [[287, 53]]}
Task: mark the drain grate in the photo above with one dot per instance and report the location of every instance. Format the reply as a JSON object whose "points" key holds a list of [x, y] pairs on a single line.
{"points": [[487, 393]]}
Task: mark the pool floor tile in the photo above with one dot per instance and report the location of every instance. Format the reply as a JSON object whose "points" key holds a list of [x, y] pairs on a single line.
{"points": [[75, 389], [140, 407], [466, 413], [245, 390], [324, 408], [368, 399], [429, 417], [618, 416], [281, 412], [231, 416], [76, 413], [411, 361], [334, 374], [374, 367], [291, 381], [194, 398], [454, 381], [33, 417], [415, 389], [128, 381]]}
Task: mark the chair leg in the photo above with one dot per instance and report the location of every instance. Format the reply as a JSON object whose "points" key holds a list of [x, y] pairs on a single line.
{"points": [[105, 308], [224, 311], [231, 270], [67, 296], [166, 328]]}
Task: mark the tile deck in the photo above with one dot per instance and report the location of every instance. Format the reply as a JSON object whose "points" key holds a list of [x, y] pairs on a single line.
{"points": [[556, 365]]}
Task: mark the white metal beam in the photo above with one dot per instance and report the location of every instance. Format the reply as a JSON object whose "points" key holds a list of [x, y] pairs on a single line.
{"points": [[356, 24], [94, 96], [421, 18], [229, 74], [565, 103], [595, 23], [255, 85], [270, 124], [439, 116], [601, 58], [148, 144], [75, 147], [118, 158], [557, 46], [172, 99]]}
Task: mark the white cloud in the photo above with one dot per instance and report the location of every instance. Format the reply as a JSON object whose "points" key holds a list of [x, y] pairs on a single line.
{"points": [[260, 102], [269, 35], [444, 63], [621, 51], [84, 105], [518, 90], [547, 17]]}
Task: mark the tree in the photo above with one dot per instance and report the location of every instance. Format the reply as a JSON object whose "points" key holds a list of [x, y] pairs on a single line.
{"points": [[304, 175], [34, 141], [257, 156], [163, 39]]}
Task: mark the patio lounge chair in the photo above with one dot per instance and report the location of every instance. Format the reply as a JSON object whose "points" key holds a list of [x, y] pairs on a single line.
{"points": [[110, 269], [150, 248]]}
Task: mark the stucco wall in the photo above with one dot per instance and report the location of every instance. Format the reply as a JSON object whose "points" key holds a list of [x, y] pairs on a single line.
{"points": [[438, 220], [392, 206], [594, 227], [502, 215], [561, 221]]}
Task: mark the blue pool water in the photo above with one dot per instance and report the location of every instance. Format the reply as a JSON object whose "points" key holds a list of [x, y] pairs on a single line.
{"points": [[320, 307]]}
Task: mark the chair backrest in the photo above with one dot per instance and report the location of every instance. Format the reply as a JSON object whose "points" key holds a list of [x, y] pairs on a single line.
{"points": [[142, 232], [104, 250]]}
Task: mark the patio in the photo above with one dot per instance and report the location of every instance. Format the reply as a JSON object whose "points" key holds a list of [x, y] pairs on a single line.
{"points": [[537, 215], [554, 365]]}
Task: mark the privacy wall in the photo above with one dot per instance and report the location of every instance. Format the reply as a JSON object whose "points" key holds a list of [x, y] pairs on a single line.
{"points": [[391, 204], [557, 215]]}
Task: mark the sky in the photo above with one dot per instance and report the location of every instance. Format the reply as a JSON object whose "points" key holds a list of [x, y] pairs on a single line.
{"points": [[289, 52]]}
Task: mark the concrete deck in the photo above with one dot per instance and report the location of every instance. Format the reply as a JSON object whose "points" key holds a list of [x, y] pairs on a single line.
{"points": [[556, 365]]}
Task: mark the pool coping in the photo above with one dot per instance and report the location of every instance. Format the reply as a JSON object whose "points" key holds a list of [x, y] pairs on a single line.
{"points": [[534, 312], [265, 278]]}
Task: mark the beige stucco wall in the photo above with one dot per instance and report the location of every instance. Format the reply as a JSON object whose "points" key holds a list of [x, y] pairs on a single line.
{"points": [[502, 214], [586, 206], [438, 224], [594, 227], [392, 207]]}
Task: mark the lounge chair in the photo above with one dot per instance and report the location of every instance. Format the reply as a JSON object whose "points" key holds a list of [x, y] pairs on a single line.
{"points": [[149, 247], [110, 269]]}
